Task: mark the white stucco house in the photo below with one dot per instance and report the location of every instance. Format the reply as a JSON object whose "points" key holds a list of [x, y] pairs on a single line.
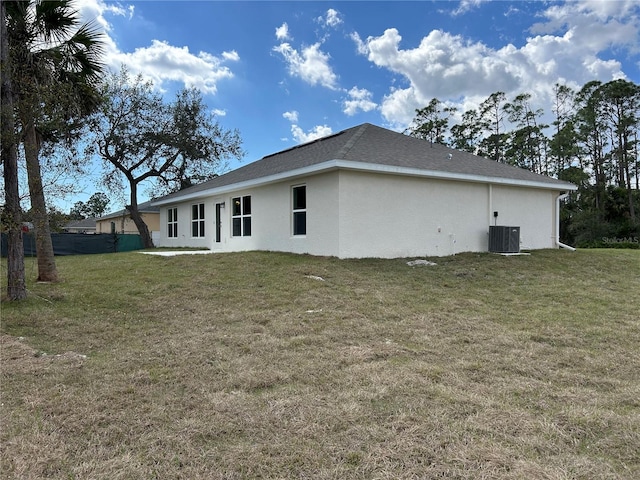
{"points": [[364, 192]]}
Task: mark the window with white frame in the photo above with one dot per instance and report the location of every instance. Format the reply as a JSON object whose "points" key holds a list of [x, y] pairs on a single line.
{"points": [[172, 222], [299, 203], [241, 216], [197, 220]]}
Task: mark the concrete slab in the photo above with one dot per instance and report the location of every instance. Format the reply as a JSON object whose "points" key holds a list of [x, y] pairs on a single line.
{"points": [[174, 253]]}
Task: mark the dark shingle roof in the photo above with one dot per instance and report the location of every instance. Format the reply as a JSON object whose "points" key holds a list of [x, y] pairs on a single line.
{"points": [[369, 144], [87, 223], [145, 207]]}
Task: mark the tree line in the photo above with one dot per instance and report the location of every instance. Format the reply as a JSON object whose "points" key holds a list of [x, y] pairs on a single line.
{"points": [[592, 142]]}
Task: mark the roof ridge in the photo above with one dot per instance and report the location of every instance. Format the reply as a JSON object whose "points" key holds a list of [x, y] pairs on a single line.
{"points": [[305, 144], [352, 141]]}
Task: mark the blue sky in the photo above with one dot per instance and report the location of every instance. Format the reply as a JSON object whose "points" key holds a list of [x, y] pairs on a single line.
{"points": [[286, 72]]}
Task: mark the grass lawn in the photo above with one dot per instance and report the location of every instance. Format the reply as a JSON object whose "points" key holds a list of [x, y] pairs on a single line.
{"points": [[267, 365]]}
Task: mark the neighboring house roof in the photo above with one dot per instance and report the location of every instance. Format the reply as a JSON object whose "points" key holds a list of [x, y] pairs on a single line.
{"points": [[85, 224], [144, 207], [367, 147]]}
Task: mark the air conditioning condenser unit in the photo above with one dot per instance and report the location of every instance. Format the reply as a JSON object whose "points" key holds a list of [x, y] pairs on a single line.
{"points": [[504, 239]]}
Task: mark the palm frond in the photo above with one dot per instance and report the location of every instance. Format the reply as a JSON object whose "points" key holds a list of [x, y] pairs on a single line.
{"points": [[54, 19], [56, 61]]}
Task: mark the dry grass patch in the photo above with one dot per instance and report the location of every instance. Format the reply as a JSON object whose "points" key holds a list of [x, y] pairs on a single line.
{"points": [[265, 365]]}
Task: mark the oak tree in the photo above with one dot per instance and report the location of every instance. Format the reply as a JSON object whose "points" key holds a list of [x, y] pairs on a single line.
{"points": [[142, 138]]}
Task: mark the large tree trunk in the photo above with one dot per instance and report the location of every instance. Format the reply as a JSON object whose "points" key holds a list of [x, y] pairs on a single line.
{"points": [[143, 229], [16, 286], [628, 179], [632, 208], [47, 271]]}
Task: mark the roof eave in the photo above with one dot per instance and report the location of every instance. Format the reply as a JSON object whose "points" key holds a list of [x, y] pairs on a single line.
{"points": [[463, 177], [124, 213], [363, 167], [256, 182]]}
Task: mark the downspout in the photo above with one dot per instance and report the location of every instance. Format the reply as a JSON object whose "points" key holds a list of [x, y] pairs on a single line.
{"points": [[558, 242]]}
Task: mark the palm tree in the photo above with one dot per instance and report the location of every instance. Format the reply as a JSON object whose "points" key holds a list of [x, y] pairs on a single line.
{"points": [[16, 286], [55, 64]]}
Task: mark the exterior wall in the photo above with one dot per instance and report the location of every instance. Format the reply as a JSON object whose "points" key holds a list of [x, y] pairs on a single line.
{"points": [[184, 238], [271, 219], [152, 220], [397, 216], [530, 209], [354, 214], [124, 224]]}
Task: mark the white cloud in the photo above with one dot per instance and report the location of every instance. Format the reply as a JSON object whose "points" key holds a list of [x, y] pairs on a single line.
{"points": [[466, 6], [593, 26], [444, 64], [232, 56], [587, 13], [282, 32], [361, 47], [300, 135], [359, 100], [219, 113], [399, 107], [318, 131], [569, 46], [292, 116], [160, 61], [311, 64], [95, 10], [332, 19]]}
